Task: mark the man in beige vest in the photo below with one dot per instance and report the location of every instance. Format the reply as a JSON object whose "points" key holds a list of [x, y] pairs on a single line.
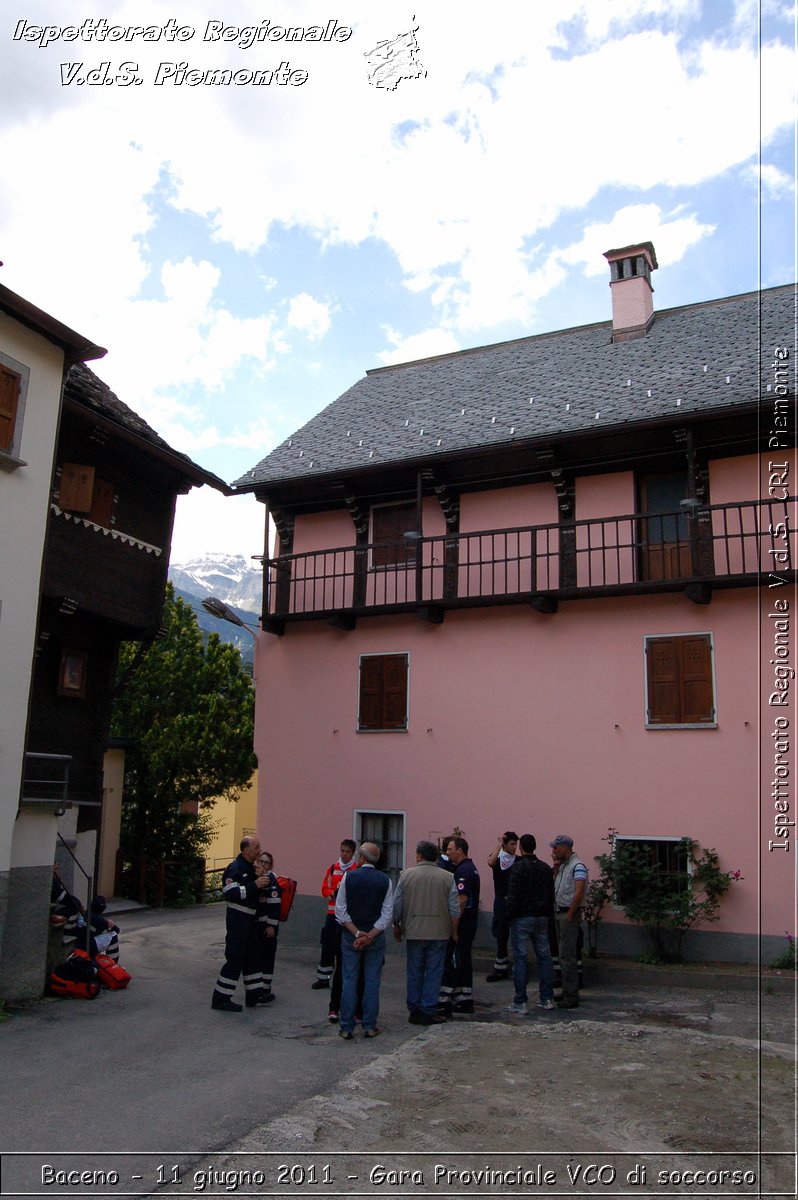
{"points": [[426, 911]]}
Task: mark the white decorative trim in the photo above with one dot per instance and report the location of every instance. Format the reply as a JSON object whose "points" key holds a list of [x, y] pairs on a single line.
{"points": [[116, 534]]}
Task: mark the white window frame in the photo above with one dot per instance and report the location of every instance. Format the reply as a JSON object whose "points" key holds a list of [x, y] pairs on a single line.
{"points": [[680, 634]]}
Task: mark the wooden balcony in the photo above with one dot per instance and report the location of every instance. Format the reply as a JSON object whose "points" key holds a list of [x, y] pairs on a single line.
{"points": [[695, 549]]}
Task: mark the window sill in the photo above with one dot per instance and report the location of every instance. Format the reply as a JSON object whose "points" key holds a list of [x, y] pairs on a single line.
{"points": [[696, 725], [9, 463], [382, 730]]}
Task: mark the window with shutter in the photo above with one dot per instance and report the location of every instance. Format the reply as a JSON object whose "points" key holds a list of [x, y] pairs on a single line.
{"points": [[10, 385], [76, 488], [679, 677], [389, 524], [383, 692]]}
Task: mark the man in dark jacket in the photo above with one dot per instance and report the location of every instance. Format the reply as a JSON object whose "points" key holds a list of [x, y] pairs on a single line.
{"points": [[530, 904], [363, 909], [241, 889]]}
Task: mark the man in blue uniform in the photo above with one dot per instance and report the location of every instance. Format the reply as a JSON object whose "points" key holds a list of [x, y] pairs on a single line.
{"points": [[457, 993], [241, 888]]}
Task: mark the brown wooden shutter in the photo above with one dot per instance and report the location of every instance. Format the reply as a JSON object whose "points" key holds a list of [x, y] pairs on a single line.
{"points": [[663, 681], [680, 688], [383, 692], [77, 486], [370, 711], [102, 503], [389, 523], [696, 667], [9, 399], [395, 692]]}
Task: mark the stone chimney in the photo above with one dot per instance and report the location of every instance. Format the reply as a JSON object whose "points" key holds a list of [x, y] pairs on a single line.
{"points": [[630, 281]]}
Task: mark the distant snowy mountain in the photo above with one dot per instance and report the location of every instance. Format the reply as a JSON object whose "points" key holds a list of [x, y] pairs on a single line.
{"points": [[229, 577]]}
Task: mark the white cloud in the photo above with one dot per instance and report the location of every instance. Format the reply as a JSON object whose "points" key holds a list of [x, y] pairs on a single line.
{"points": [[634, 223], [309, 316], [417, 345], [441, 170], [775, 182], [205, 518], [191, 341]]}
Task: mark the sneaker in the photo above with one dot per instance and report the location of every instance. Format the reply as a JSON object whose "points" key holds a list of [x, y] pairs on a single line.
{"points": [[346, 1034], [332, 1016], [495, 976], [519, 1010], [548, 1005], [463, 1006], [318, 984], [371, 1033], [224, 1004], [568, 1004], [416, 1018]]}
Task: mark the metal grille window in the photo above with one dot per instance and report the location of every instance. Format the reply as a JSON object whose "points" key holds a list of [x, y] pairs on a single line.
{"points": [[386, 830], [667, 858]]}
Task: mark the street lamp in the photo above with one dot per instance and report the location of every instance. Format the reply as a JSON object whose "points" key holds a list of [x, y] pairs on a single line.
{"points": [[218, 609]]}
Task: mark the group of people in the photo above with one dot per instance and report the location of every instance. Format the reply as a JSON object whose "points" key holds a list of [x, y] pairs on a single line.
{"points": [[252, 898], [434, 908], [538, 903], [98, 933]]}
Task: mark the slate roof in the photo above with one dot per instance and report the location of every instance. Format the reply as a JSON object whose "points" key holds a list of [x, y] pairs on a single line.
{"points": [[697, 358], [85, 389]]}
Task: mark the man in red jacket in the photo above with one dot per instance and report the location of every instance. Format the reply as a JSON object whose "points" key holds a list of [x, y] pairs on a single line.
{"points": [[326, 971]]}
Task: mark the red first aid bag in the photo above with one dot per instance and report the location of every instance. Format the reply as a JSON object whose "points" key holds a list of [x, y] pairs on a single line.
{"points": [[287, 892], [110, 974], [77, 977]]}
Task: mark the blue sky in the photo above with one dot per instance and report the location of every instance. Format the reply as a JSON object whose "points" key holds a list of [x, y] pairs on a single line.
{"points": [[247, 252]]}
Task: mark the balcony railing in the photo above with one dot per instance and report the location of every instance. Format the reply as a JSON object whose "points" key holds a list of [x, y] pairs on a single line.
{"points": [[46, 778], [694, 547]]}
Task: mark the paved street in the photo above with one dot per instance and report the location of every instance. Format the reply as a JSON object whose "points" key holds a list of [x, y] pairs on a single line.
{"points": [[155, 1069]]}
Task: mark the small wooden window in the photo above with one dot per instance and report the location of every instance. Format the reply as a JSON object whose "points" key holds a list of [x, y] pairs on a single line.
{"points": [[680, 682], [389, 524], [72, 674], [383, 692], [81, 491], [102, 503], [10, 384], [76, 488]]}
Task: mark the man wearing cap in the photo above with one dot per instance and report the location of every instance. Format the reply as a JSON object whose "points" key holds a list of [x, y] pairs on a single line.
{"points": [[569, 890]]}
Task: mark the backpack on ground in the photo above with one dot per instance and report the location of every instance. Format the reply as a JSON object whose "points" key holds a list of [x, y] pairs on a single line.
{"points": [[110, 974], [77, 977], [287, 892]]}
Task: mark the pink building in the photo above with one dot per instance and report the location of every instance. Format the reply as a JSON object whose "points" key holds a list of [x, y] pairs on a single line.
{"points": [[546, 585]]}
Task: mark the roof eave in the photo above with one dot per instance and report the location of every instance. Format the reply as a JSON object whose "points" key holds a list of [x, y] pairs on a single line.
{"points": [[75, 346], [371, 470], [195, 474]]}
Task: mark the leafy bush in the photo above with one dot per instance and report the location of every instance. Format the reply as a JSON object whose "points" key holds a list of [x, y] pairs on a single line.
{"points": [[786, 960], [667, 904]]}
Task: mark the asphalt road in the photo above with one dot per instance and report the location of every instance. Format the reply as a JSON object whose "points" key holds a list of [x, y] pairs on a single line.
{"points": [[153, 1069]]}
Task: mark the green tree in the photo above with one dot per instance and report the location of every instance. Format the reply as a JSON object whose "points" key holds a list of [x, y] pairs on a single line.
{"points": [[187, 709]]}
